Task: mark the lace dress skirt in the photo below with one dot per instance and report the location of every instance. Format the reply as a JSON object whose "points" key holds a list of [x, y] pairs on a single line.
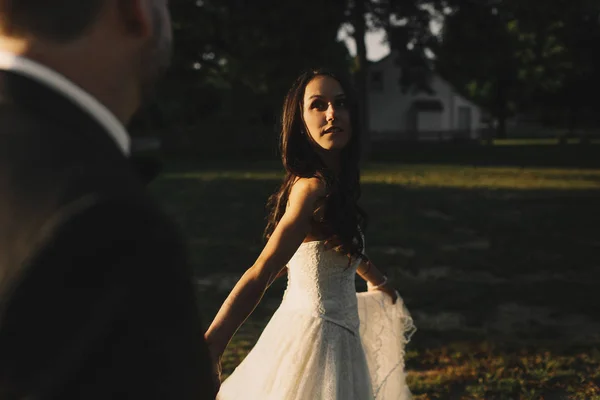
{"points": [[306, 357]]}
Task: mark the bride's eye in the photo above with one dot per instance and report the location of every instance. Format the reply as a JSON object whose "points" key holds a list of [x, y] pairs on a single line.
{"points": [[319, 105]]}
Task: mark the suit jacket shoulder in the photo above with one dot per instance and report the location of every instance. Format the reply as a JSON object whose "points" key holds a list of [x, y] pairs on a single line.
{"points": [[96, 298]]}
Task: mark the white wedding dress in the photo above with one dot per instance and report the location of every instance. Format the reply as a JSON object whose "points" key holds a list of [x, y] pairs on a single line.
{"points": [[325, 341]]}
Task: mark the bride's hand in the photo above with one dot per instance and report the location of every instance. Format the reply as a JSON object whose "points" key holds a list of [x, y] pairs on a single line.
{"points": [[388, 289]]}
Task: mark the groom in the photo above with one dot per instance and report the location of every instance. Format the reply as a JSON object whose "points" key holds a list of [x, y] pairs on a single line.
{"points": [[96, 299]]}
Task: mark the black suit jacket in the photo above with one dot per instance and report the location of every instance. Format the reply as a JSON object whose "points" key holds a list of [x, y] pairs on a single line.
{"points": [[96, 298]]}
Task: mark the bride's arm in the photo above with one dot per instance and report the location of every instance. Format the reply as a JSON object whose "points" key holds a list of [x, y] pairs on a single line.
{"points": [[288, 235], [375, 279]]}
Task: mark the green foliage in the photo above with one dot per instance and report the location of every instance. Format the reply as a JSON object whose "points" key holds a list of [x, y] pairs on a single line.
{"points": [[235, 59], [512, 56]]}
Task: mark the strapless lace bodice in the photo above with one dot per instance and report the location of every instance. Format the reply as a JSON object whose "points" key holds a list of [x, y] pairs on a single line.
{"points": [[321, 283]]}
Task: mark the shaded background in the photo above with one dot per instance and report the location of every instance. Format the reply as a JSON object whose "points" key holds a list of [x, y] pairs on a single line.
{"points": [[493, 241]]}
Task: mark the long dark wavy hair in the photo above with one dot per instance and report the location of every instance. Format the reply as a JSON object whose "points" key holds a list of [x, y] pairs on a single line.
{"points": [[338, 216]]}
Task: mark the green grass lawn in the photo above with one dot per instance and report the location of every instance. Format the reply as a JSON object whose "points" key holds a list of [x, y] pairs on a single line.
{"points": [[499, 267]]}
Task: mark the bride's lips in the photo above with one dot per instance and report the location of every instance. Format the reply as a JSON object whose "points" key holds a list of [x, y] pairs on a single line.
{"points": [[333, 129]]}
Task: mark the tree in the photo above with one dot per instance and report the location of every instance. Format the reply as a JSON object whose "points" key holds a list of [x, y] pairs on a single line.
{"points": [[408, 27], [235, 60], [507, 55], [477, 54], [357, 12], [408, 31], [575, 100]]}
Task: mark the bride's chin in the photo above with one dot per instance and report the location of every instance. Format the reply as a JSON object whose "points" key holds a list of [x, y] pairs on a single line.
{"points": [[339, 146], [335, 145]]}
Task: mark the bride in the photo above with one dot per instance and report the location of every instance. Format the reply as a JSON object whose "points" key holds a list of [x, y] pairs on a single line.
{"points": [[324, 342]]}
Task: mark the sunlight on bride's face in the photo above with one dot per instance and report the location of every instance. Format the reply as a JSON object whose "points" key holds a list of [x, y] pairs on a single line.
{"points": [[325, 113]]}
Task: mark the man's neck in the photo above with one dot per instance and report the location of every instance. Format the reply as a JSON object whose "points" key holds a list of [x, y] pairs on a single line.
{"points": [[85, 70]]}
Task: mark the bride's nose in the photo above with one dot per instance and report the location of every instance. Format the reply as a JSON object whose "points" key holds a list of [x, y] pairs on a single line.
{"points": [[330, 113]]}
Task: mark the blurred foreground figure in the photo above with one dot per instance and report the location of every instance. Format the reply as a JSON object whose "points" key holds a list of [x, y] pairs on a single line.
{"points": [[96, 299]]}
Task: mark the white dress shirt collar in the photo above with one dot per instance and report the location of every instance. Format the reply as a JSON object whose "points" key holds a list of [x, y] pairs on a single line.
{"points": [[54, 80]]}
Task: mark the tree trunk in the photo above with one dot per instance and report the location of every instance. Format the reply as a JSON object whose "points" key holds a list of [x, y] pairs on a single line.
{"points": [[501, 128], [572, 124], [360, 74], [501, 107]]}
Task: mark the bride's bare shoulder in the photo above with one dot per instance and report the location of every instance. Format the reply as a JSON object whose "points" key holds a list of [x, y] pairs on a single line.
{"points": [[308, 188]]}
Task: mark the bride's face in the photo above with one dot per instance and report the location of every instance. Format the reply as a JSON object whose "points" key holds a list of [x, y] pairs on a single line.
{"points": [[325, 113]]}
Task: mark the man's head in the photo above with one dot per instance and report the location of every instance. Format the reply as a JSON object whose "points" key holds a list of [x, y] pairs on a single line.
{"points": [[126, 40]]}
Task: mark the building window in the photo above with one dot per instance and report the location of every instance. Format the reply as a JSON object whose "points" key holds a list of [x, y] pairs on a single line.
{"points": [[377, 81]]}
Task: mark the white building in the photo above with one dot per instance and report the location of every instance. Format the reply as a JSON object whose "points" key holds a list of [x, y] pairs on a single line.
{"points": [[423, 116]]}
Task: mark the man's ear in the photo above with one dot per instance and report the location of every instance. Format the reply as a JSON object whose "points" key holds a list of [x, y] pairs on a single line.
{"points": [[135, 15]]}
